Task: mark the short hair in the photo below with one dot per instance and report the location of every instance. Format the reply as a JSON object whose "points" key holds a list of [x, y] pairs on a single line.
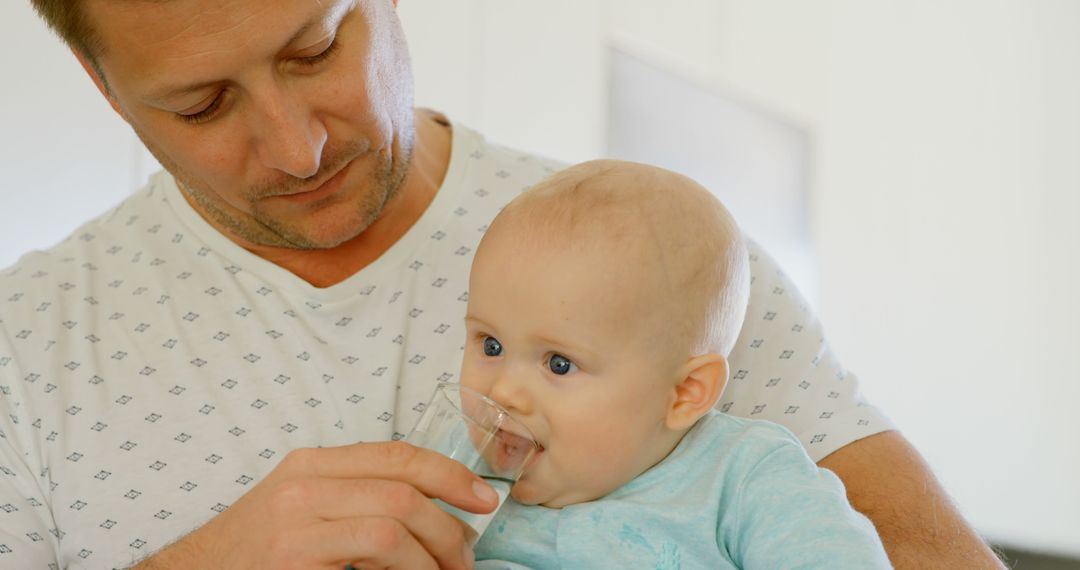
{"points": [[68, 19]]}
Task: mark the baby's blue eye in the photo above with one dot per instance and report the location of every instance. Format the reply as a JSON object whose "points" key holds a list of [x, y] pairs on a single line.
{"points": [[561, 365], [492, 347]]}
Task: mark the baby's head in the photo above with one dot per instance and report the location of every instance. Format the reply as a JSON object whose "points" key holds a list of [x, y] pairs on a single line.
{"points": [[602, 306]]}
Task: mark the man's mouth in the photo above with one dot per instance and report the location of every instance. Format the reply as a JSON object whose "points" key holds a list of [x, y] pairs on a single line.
{"points": [[324, 188]]}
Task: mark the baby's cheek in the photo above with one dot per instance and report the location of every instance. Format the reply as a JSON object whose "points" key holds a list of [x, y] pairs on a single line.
{"points": [[468, 382], [600, 471], [471, 377]]}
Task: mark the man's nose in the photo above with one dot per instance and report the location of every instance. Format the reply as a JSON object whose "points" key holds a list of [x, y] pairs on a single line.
{"points": [[290, 138]]}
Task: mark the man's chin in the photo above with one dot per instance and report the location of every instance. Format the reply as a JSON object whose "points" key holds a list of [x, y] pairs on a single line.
{"points": [[317, 239], [312, 232]]}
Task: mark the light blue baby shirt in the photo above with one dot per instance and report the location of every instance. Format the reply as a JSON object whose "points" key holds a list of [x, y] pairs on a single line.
{"points": [[735, 493]]}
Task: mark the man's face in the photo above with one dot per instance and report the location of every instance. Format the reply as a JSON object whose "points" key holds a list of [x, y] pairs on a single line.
{"points": [[287, 122], [562, 339]]}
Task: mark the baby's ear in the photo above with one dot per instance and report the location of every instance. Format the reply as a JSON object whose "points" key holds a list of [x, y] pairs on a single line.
{"points": [[703, 380]]}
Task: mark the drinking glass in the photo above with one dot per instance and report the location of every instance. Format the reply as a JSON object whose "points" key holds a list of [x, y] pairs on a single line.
{"points": [[474, 430]]}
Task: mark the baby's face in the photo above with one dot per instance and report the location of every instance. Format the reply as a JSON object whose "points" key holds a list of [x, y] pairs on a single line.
{"points": [[560, 339]]}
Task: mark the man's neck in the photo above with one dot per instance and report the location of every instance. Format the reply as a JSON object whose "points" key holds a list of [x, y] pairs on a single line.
{"points": [[327, 267]]}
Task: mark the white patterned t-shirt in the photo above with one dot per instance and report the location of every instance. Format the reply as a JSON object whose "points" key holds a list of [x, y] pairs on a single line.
{"points": [[152, 371]]}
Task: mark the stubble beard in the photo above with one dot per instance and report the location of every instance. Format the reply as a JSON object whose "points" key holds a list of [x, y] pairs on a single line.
{"points": [[258, 227]]}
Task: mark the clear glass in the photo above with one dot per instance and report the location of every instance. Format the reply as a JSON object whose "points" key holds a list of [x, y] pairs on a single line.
{"points": [[474, 430]]}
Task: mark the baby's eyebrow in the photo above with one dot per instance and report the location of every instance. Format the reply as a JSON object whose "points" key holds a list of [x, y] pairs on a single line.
{"points": [[571, 350], [471, 319]]}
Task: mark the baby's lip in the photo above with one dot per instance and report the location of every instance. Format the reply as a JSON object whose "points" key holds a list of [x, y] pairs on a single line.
{"points": [[515, 445], [516, 439], [515, 434], [534, 458]]}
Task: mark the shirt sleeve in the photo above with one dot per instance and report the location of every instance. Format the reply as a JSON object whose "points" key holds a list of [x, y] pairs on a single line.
{"points": [[789, 513], [27, 539], [783, 370]]}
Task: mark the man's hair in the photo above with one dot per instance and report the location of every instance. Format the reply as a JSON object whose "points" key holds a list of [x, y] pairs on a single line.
{"points": [[68, 19]]}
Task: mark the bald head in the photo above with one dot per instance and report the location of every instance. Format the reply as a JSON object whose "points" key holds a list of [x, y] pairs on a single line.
{"points": [[677, 248]]}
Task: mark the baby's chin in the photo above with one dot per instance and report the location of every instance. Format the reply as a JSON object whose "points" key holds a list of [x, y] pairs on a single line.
{"points": [[526, 493]]}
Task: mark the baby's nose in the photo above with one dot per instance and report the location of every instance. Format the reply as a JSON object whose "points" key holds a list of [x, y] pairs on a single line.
{"points": [[510, 392]]}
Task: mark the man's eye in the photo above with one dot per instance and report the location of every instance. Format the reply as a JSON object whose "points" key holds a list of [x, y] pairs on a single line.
{"points": [[561, 365], [322, 56], [204, 115], [492, 347]]}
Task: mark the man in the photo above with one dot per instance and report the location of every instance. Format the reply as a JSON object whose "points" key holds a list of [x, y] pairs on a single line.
{"points": [[186, 379]]}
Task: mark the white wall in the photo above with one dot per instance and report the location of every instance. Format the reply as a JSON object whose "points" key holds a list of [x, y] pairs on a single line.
{"points": [[64, 154], [950, 184], [946, 192], [946, 186], [528, 74]]}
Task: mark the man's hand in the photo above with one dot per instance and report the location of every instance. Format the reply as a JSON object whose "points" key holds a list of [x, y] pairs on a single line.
{"points": [[364, 504], [888, 481]]}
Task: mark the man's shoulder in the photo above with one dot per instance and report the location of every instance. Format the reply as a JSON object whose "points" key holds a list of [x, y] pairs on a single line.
{"points": [[493, 167], [120, 219], [114, 243]]}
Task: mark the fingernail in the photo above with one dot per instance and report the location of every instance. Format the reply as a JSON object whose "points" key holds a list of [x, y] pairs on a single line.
{"points": [[470, 557], [485, 492]]}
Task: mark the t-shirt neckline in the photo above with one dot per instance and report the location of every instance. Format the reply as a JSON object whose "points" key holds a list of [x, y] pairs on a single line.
{"points": [[463, 141]]}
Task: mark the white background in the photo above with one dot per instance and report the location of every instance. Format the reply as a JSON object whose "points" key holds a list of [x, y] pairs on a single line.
{"points": [[945, 186]]}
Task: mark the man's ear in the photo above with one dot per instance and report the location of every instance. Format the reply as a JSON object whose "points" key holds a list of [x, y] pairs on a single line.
{"points": [[703, 381], [99, 82]]}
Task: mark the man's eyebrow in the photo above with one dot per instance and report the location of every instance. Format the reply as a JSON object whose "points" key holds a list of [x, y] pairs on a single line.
{"points": [[173, 92], [304, 29], [167, 93]]}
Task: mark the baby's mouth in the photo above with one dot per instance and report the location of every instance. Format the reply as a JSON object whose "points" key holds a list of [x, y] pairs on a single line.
{"points": [[513, 446], [535, 457]]}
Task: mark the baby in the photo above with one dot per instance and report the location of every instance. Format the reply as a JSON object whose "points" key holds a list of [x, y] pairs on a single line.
{"points": [[602, 305]]}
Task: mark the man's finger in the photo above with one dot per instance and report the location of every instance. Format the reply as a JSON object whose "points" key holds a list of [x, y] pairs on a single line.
{"points": [[432, 474], [437, 532], [369, 542]]}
